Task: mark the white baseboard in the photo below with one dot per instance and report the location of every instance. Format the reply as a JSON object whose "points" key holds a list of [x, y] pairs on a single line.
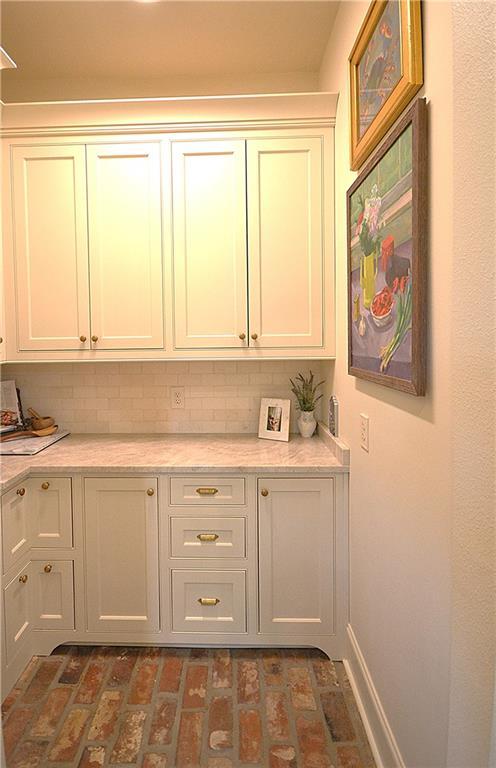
{"points": [[379, 733]]}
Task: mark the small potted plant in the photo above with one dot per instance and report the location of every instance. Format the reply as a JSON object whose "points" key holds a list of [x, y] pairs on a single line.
{"points": [[306, 395]]}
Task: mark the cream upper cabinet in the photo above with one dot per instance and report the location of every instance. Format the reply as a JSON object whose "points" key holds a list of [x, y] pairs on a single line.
{"points": [[121, 521], [50, 247], [209, 244], [285, 242], [125, 245], [296, 556]]}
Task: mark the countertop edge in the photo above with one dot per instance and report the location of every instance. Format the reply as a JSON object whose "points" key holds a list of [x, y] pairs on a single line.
{"points": [[165, 470]]}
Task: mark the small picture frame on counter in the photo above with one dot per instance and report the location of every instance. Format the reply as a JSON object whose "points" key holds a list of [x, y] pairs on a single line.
{"points": [[274, 419]]}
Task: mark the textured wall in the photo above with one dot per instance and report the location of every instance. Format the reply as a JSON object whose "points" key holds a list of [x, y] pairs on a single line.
{"points": [[422, 542], [474, 384], [136, 397]]}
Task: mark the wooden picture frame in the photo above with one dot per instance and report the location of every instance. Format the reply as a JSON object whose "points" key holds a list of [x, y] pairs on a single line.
{"points": [[386, 57], [273, 423], [387, 239]]}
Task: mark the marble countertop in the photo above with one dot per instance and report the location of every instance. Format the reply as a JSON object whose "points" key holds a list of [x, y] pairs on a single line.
{"points": [[139, 454]]}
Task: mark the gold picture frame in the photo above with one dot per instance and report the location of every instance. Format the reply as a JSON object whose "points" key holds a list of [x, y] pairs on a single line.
{"points": [[406, 81]]}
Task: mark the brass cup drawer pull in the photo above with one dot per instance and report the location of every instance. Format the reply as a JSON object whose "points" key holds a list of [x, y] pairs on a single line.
{"points": [[45, 486], [23, 579], [21, 491], [208, 536], [207, 491], [48, 568], [208, 600]]}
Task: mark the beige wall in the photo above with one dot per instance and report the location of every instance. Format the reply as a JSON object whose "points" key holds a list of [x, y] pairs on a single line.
{"points": [[136, 397], [408, 559]]}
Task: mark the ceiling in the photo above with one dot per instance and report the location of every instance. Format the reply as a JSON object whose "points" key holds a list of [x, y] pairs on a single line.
{"points": [[68, 50]]}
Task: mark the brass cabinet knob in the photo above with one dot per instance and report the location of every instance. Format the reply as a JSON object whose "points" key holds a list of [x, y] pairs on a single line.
{"points": [[21, 491], [48, 568], [82, 339], [45, 485], [150, 491], [242, 336], [254, 336], [23, 579], [208, 600], [207, 536], [1, 339], [94, 339], [264, 492]]}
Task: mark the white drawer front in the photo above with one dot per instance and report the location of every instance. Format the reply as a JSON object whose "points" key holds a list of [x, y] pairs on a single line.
{"points": [[208, 537], [209, 601], [207, 491], [51, 511], [53, 585]]}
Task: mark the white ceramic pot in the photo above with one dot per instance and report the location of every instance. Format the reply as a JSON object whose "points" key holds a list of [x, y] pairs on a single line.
{"points": [[306, 423]]}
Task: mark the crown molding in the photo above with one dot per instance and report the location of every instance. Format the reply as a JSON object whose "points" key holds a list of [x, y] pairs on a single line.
{"points": [[97, 117]]}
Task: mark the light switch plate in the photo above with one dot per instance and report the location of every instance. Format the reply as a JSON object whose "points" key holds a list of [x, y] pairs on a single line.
{"points": [[364, 432]]}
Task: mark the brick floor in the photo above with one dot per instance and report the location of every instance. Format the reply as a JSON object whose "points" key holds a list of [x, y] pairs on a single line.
{"points": [[183, 708]]}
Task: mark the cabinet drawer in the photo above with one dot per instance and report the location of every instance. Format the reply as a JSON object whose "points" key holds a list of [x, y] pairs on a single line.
{"points": [[53, 594], [50, 514], [209, 601], [17, 611], [208, 537], [15, 525], [207, 491]]}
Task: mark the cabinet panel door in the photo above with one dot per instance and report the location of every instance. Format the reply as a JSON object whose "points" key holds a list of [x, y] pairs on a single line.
{"points": [[15, 525], [17, 604], [51, 248], [285, 236], [125, 244], [209, 251], [122, 582], [50, 513], [53, 594], [296, 539]]}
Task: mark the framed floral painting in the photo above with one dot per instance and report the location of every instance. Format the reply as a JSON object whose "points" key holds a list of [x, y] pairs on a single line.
{"points": [[385, 72], [386, 222]]}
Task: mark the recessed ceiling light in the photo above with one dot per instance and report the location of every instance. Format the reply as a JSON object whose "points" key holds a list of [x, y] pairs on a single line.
{"points": [[5, 61]]}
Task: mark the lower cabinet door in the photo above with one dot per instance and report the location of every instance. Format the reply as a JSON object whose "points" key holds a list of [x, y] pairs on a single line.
{"points": [[209, 601], [15, 525], [50, 511], [122, 581], [17, 602], [296, 556], [53, 594]]}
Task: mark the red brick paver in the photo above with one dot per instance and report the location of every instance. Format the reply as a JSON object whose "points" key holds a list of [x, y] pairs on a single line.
{"points": [[183, 708]]}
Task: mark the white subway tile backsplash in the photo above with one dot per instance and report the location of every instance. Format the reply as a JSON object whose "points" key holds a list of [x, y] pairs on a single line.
{"points": [[221, 396]]}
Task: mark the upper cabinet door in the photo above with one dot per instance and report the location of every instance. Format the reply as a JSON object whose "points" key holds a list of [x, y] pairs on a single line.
{"points": [[125, 245], [285, 242], [209, 250], [51, 249]]}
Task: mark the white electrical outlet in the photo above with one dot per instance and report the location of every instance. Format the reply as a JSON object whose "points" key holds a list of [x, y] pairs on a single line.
{"points": [[364, 432], [177, 397]]}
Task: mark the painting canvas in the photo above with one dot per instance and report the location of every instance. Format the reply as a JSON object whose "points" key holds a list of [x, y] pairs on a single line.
{"points": [[386, 260], [385, 72], [379, 69]]}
